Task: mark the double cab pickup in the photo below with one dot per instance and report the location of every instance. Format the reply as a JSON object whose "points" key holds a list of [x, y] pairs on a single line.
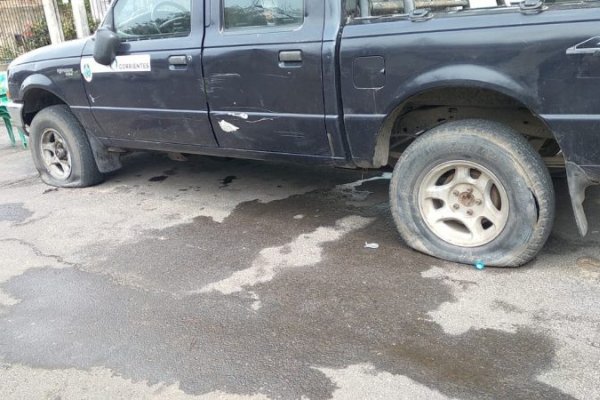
{"points": [[472, 102]]}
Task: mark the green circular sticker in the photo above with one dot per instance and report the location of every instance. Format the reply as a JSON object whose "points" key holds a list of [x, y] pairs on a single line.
{"points": [[86, 71]]}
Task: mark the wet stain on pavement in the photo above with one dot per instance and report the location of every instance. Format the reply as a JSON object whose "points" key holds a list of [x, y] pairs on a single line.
{"points": [[225, 182], [158, 178], [14, 212], [140, 316]]}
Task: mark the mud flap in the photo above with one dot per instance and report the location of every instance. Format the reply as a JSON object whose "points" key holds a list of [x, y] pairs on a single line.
{"points": [[105, 160], [578, 183]]}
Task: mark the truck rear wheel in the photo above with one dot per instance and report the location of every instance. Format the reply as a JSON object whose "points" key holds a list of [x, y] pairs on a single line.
{"points": [[473, 191], [61, 150]]}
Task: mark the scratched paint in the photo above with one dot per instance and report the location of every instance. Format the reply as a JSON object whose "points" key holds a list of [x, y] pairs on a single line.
{"points": [[228, 127], [238, 115]]}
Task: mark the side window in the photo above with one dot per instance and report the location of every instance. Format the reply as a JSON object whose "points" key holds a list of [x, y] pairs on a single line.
{"points": [[378, 8], [572, 3], [152, 19], [386, 8], [373, 8], [244, 14]]}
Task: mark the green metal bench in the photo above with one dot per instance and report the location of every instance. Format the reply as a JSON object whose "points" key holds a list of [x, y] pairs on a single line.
{"points": [[5, 116]]}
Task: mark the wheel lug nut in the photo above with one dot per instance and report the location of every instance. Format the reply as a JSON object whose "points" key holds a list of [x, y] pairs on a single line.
{"points": [[470, 190], [455, 193], [469, 213], [478, 202], [456, 206]]}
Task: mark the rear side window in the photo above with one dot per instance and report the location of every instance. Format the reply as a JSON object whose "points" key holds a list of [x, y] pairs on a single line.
{"points": [[377, 8], [152, 19], [248, 14], [383, 8]]}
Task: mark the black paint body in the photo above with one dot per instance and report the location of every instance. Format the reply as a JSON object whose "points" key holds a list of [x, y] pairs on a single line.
{"points": [[332, 106]]}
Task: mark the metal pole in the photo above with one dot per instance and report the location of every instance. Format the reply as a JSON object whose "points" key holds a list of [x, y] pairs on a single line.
{"points": [[53, 21], [80, 18], [364, 8]]}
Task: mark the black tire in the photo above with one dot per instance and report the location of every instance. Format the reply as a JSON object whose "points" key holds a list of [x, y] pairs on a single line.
{"points": [[59, 120], [506, 154]]}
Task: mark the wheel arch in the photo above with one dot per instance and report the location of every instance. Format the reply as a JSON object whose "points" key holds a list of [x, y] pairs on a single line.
{"points": [[454, 77], [496, 86], [35, 99]]}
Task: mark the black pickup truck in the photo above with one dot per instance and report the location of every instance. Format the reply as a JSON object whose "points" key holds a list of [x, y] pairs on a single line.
{"points": [[471, 101]]}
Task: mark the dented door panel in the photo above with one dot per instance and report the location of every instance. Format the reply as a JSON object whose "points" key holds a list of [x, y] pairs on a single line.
{"points": [[265, 86]]}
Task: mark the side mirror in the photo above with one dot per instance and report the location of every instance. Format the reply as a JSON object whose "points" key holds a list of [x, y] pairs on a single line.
{"points": [[106, 46]]}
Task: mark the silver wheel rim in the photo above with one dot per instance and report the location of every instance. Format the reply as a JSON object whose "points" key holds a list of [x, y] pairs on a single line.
{"points": [[55, 154], [463, 203]]}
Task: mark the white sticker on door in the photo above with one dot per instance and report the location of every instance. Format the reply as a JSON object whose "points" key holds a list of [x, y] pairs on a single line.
{"points": [[134, 63], [131, 63]]}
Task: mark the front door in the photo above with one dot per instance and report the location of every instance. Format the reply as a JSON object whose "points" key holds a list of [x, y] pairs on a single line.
{"points": [[263, 73], [154, 90]]}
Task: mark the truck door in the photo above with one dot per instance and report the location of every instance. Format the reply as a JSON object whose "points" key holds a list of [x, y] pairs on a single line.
{"points": [[154, 91], [545, 55], [262, 64]]}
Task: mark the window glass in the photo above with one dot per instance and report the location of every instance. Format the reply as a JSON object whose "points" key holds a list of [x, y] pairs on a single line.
{"points": [[240, 14], [386, 8], [150, 19], [583, 3], [377, 8]]}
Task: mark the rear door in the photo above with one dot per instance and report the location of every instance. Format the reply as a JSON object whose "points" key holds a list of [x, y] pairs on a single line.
{"points": [[543, 54], [262, 61], [154, 91]]}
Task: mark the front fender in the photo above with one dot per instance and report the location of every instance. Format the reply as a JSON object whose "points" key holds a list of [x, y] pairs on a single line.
{"points": [[61, 77], [66, 89], [39, 81]]}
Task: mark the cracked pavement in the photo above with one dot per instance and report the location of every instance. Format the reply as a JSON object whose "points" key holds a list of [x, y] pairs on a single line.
{"points": [[233, 279]]}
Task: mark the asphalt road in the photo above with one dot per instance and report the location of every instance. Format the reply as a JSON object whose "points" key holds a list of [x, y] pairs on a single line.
{"points": [[228, 279]]}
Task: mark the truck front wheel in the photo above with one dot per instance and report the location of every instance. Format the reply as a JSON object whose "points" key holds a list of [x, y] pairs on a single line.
{"points": [[473, 191], [61, 150]]}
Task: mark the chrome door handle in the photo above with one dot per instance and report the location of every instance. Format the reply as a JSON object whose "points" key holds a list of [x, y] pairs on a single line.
{"points": [[178, 61], [290, 56]]}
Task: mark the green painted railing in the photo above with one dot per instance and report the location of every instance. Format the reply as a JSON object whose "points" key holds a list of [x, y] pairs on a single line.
{"points": [[5, 116]]}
